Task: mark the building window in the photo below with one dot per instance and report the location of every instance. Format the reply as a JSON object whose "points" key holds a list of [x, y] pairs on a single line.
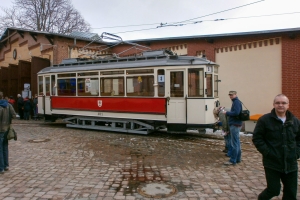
{"points": [[15, 54]]}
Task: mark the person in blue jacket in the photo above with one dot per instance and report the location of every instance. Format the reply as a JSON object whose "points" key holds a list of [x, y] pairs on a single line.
{"points": [[235, 126]]}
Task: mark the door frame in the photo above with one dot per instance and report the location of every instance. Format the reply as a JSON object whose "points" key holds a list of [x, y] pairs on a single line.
{"points": [[176, 106]]}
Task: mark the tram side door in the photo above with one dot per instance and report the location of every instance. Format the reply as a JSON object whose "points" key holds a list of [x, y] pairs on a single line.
{"points": [[176, 103], [47, 99]]}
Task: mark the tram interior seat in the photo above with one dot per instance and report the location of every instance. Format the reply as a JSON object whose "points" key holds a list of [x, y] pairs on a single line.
{"points": [[176, 94], [67, 92]]}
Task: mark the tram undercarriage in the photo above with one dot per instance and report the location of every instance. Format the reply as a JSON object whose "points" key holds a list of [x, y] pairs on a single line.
{"points": [[133, 126], [110, 124]]}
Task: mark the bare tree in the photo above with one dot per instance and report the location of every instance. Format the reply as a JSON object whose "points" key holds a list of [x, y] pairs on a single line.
{"points": [[57, 16], [9, 19]]}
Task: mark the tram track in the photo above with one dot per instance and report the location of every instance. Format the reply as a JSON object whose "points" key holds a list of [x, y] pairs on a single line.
{"points": [[50, 124], [188, 138]]}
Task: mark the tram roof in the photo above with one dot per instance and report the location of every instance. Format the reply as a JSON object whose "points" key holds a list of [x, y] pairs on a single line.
{"points": [[148, 59]]}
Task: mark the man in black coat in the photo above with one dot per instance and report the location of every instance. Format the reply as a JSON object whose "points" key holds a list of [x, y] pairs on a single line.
{"points": [[277, 137]]}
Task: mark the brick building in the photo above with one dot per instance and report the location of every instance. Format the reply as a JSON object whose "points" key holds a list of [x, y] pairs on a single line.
{"points": [[259, 65], [24, 52]]}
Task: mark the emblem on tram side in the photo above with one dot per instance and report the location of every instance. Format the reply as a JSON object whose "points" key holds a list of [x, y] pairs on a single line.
{"points": [[99, 103]]}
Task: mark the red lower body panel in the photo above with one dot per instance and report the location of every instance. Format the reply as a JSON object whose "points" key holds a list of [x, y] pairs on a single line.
{"points": [[109, 104]]}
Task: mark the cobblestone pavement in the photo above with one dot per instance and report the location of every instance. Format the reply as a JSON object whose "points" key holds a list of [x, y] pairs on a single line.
{"points": [[84, 164]]}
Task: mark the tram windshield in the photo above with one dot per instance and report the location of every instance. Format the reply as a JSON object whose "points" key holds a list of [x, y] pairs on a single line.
{"points": [[177, 84]]}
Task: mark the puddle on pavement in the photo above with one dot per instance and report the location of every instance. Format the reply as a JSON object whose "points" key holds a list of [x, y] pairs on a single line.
{"points": [[142, 157], [39, 140]]}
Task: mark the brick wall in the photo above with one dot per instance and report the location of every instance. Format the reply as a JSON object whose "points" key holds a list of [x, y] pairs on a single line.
{"points": [[63, 45], [291, 71]]}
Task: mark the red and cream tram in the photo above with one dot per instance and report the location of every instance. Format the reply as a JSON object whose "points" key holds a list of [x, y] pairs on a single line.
{"points": [[131, 94]]}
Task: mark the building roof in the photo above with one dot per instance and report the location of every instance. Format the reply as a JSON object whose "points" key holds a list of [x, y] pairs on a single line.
{"points": [[91, 36], [289, 30], [75, 35]]}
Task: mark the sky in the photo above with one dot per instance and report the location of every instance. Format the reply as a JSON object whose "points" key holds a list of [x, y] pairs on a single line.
{"points": [[239, 15]]}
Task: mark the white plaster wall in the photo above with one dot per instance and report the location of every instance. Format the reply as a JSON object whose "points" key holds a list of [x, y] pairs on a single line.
{"points": [[254, 73]]}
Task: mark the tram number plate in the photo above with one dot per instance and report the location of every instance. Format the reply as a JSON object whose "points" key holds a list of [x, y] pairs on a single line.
{"points": [[100, 113]]}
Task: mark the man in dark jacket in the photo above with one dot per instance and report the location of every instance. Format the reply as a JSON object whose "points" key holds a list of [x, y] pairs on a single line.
{"points": [[277, 137], [235, 126], [20, 103], [27, 108], [35, 104]]}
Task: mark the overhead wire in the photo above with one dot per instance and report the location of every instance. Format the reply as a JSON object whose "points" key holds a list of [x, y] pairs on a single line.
{"points": [[233, 18], [128, 25], [257, 16], [219, 19], [220, 11], [161, 24]]}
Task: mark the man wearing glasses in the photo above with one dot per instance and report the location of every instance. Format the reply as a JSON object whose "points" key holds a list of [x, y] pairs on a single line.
{"points": [[235, 126], [277, 137]]}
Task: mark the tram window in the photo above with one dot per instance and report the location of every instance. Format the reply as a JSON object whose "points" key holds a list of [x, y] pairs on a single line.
{"points": [[209, 85], [53, 83], [161, 82], [66, 75], [40, 87], [47, 86], [176, 86], [112, 72], [216, 86], [140, 86], [196, 83], [88, 74], [88, 86], [112, 86], [66, 87], [140, 71]]}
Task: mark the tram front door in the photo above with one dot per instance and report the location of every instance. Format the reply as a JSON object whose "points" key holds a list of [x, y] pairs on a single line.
{"points": [[176, 103], [50, 90], [47, 100]]}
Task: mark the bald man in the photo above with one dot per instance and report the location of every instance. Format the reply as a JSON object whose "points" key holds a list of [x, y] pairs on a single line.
{"points": [[277, 137]]}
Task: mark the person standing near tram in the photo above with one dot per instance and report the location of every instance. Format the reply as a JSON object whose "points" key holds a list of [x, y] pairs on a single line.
{"points": [[235, 126], [35, 106], [27, 108], [20, 103], [11, 100], [277, 137], [7, 112]]}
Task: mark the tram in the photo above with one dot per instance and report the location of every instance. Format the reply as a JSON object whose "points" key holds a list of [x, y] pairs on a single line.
{"points": [[137, 94]]}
